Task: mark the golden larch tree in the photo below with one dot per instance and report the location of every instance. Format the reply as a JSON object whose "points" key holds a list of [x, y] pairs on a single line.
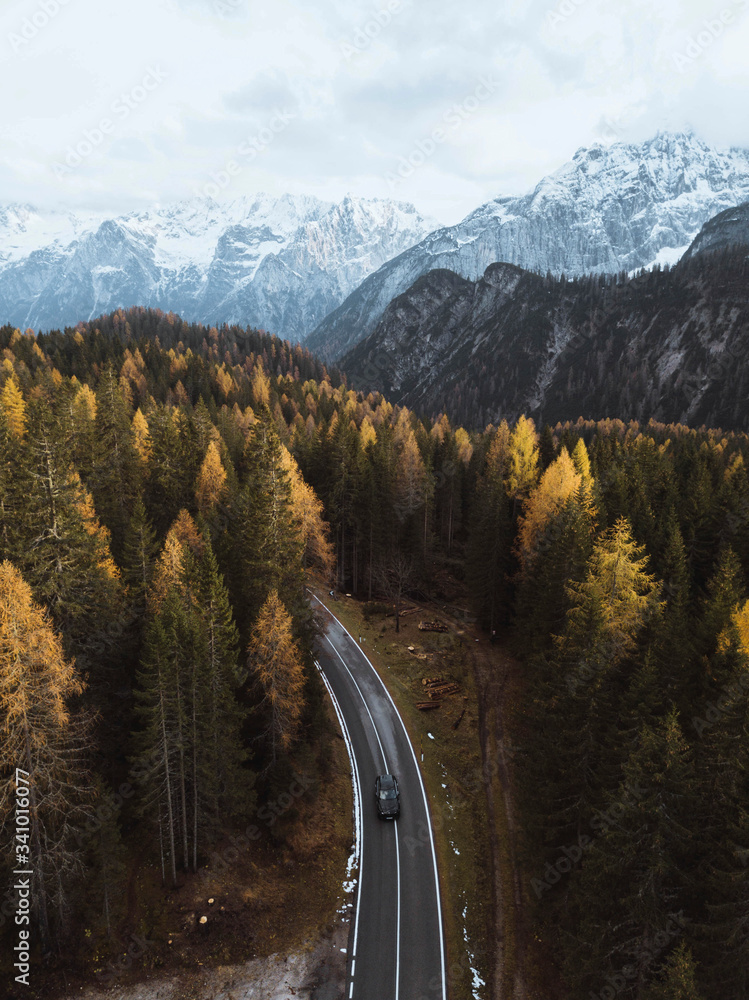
{"points": [[260, 386], [84, 405], [13, 407], [275, 660], [141, 436], [308, 513], [522, 472], [560, 481], [211, 484], [39, 736]]}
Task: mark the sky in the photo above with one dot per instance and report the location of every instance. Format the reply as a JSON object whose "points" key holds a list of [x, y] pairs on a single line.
{"points": [[115, 106]]}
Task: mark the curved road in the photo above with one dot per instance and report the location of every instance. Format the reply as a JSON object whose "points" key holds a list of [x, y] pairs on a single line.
{"points": [[396, 944]]}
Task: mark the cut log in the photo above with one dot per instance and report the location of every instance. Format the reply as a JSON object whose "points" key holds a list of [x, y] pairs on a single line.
{"points": [[425, 706], [435, 626], [443, 691]]}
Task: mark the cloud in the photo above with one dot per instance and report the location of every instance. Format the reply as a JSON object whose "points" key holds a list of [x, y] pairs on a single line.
{"points": [[365, 80]]}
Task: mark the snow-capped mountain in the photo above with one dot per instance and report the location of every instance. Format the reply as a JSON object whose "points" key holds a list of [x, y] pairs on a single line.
{"points": [[611, 208], [278, 263]]}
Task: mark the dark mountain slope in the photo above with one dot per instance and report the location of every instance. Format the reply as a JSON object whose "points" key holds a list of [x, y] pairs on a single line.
{"points": [[672, 345], [729, 228]]}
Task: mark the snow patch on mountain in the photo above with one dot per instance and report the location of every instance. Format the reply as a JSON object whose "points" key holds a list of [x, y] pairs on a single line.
{"points": [[281, 263], [611, 208]]}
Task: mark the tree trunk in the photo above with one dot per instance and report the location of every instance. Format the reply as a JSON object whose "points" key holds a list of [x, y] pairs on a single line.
{"points": [[371, 556], [168, 779], [41, 895], [194, 787]]}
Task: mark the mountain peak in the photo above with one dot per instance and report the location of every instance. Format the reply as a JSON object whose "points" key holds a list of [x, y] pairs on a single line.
{"points": [[612, 207], [277, 261]]}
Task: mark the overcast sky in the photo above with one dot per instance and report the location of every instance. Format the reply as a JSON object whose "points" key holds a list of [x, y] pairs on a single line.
{"points": [[116, 105]]}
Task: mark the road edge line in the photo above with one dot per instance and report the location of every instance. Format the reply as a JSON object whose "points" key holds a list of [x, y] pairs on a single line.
{"points": [[358, 809], [423, 792]]}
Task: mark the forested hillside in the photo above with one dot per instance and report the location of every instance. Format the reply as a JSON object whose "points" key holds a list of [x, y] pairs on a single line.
{"points": [[164, 490]]}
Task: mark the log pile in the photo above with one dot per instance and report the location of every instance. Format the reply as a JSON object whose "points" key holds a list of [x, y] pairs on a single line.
{"points": [[439, 688], [433, 626]]}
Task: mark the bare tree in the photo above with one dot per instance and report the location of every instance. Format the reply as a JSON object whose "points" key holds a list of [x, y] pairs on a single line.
{"points": [[394, 576]]}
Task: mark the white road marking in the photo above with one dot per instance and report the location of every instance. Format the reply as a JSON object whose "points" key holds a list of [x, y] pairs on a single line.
{"points": [[364, 701], [395, 830], [358, 806], [423, 792], [398, 929]]}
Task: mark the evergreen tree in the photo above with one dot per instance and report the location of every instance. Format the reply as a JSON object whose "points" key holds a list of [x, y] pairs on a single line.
{"points": [[114, 480], [107, 863], [221, 754], [139, 554], [268, 549], [490, 538], [642, 860], [678, 981]]}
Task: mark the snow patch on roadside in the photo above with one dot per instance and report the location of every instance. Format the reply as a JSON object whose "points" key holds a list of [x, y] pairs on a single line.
{"points": [[477, 981]]}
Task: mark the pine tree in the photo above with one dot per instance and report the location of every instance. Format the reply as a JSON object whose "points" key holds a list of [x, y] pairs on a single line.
{"points": [[168, 488], [268, 547], [63, 552], [642, 859], [106, 859], [139, 555], [190, 718], [141, 437], [560, 481], [490, 538], [219, 739], [83, 409], [618, 582], [114, 480], [725, 591], [411, 486], [156, 742], [308, 514], [678, 981], [274, 659]]}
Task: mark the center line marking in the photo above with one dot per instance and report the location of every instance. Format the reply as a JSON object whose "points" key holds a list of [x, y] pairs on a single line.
{"points": [[421, 783]]}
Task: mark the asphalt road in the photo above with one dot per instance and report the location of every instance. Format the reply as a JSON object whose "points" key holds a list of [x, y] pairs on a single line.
{"points": [[396, 945]]}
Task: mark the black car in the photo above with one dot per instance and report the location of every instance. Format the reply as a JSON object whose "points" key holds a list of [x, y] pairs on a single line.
{"points": [[388, 796]]}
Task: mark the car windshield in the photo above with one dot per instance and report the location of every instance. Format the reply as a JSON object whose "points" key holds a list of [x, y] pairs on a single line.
{"points": [[387, 793]]}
